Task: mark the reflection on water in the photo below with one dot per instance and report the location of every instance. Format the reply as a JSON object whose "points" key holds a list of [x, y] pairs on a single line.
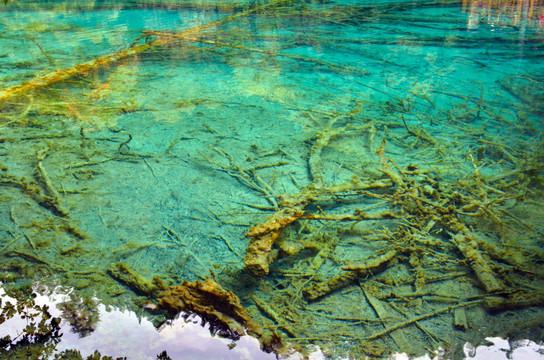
{"points": [[123, 334], [117, 333], [504, 13], [366, 177], [500, 349]]}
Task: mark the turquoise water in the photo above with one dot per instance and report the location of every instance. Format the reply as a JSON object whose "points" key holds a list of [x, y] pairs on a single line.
{"points": [[163, 159]]}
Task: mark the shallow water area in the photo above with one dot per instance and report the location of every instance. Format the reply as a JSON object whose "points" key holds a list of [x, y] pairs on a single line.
{"points": [[365, 177]]}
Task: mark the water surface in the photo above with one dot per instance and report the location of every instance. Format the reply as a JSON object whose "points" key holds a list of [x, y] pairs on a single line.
{"points": [[156, 134]]}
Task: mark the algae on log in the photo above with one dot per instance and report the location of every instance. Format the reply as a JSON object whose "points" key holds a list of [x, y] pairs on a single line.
{"points": [[469, 247], [221, 308], [516, 300], [350, 274], [259, 253], [124, 274]]}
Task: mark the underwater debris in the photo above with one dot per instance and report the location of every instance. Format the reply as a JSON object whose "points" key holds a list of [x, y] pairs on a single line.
{"points": [[460, 319], [431, 211], [132, 247], [220, 308], [516, 300], [440, 228], [32, 189], [64, 74], [483, 271], [351, 273], [331, 66], [50, 190], [422, 317], [259, 254], [124, 274], [416, 200], [384, 314], [247, 177]]}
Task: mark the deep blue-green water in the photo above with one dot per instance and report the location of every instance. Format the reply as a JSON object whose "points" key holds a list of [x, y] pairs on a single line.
{"points": [[395, 146]]}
